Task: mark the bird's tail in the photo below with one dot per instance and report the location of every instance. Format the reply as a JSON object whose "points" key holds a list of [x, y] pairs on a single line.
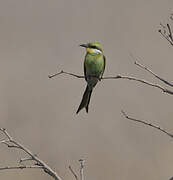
{"points": [[85, 99]]}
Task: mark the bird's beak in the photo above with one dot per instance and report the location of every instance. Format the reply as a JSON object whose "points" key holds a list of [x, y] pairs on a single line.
{"points": [[84, 45]]}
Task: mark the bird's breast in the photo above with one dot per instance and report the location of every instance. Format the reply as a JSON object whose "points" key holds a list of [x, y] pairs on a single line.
{"points": [[94, 65]]}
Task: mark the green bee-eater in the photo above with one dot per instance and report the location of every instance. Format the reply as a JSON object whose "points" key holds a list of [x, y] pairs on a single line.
{"points": [[94, 66]]}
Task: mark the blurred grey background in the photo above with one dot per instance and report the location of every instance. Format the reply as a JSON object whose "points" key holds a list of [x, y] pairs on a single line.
{"points": [[41, 37]]}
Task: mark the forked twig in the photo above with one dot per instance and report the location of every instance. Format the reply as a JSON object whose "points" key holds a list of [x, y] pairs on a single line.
{"points": [[81, 170], [20, 167], [38, 162], [63, 72], [154, 74], [82, 161], [166, 34]]}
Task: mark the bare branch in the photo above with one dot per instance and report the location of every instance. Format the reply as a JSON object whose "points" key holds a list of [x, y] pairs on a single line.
{"points": [[81, 169], [38, 162], [26, 159], [8, 145], [121, 77], [148, 124], [63, 72], [74, 174], [154, 74], [20, 167], [3, 130], [165, 34], [170, 33]]}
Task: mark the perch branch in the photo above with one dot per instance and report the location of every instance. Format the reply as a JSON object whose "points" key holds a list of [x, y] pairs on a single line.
{"points": [[120, 77], [148, 124], [63, 72], [38, 162]]}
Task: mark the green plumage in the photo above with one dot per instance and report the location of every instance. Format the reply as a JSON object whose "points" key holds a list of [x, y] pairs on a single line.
{"points": [[94, 66]]}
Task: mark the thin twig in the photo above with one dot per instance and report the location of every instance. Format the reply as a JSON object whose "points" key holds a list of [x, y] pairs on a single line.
{"points": [[20, 167], [26, 159], [148, 124], [81, 169], [121, 77], [154, 74], [8, 145], [63, 72], [74, 174], [41, 164], [170, 32], [165, 36]]}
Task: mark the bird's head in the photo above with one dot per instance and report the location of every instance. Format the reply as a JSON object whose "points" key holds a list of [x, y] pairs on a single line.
{"points": [[93, 48]]}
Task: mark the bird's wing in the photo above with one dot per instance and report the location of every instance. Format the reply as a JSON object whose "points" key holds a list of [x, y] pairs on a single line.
{"points": [[85, 72], [104, 58]]}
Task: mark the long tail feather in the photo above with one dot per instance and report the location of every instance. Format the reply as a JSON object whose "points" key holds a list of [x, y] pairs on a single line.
{"points": [[89, 97], [85, 100]]}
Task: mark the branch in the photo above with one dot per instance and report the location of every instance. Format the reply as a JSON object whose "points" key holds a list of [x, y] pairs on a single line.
{"points": [[154, 74], [38, 162], [26, 159], [170, 33], [165, 34], [148, 124], [81, 170], [20, 167], [119, 77], [63, 72], [74, 174]]}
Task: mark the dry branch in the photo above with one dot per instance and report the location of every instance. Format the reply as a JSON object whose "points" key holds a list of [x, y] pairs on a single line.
{"points": [[118, 77], [148, 124], [73, 172], [82, 161], [81, 170], [170, 32], [166, 32], [20, 167], [150, 71], [38, 163], [154, 74]]}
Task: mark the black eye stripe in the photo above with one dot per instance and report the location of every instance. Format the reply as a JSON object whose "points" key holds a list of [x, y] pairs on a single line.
{"points": [[94, 47]]}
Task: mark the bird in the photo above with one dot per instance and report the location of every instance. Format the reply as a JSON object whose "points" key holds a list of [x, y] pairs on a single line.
{"points": [[94, 67]]}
